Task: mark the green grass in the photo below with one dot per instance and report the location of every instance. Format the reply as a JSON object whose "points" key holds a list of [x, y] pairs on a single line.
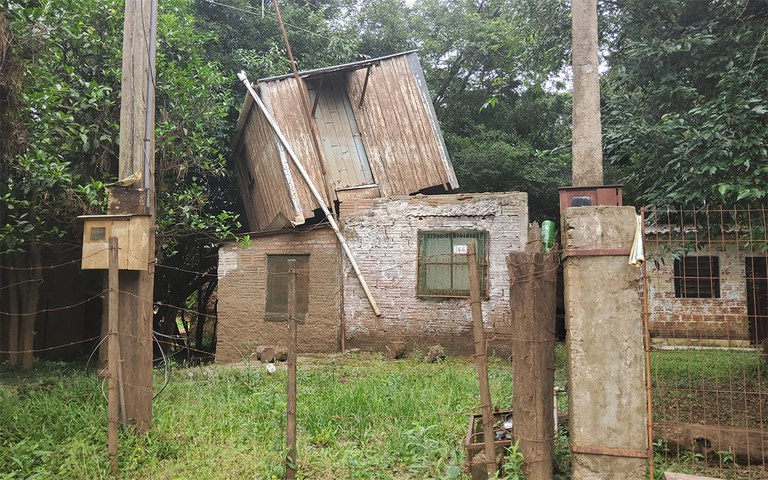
{"points": [[709, 365], [359, 416]]}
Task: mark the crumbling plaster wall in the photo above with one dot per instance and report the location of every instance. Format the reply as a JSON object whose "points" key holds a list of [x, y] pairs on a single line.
{"points": [[242, 295], [383, 234]]}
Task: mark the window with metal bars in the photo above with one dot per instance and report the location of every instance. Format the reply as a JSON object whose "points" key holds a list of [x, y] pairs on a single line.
{"points": [[697, 277], [277, 287], [442, 267]]}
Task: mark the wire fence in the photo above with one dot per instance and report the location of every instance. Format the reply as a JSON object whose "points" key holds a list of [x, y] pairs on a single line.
{"points": [[706, 310]]}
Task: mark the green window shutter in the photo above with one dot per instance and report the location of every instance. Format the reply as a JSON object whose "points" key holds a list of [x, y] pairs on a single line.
{"points": [[441, 273]]}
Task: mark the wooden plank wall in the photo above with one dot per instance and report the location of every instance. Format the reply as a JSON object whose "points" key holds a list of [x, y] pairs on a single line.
{"points": [[337, 126], [396, 123], [402, 148], [269, 194], [283, 99]]}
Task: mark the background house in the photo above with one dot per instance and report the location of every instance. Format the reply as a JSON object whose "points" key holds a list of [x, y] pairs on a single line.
{"points": [[706, 287], [373, 147]]}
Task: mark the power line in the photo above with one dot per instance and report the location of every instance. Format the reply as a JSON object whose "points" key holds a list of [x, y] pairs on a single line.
{"points": [[271, 15]]}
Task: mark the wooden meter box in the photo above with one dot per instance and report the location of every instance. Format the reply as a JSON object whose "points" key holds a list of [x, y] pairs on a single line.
{"points": [[132, 232], [608, 195]]}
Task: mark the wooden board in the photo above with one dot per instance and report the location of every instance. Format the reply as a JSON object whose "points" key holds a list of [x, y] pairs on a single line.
{"points": [[748, 446], [395, 128], [284, 101], [340, 136], [264, 177], [685, 476]]}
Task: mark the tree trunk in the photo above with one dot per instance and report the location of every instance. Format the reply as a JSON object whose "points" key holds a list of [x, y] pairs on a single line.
{"points": [[13, 303], [30, 298], [203, 297], [200, 319]]}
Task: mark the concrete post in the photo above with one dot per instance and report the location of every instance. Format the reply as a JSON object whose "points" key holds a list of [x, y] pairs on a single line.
{"points": [[606, 375], [587, 137]]}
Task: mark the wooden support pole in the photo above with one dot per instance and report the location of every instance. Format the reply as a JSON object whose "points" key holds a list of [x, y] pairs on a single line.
{"points": [[309, 113], [114, 359], [481, 360], [137, 121], [532, 296], [290, 424]]}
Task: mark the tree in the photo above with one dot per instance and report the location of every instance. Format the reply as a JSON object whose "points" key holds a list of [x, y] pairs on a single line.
{"points": [[56, 115], [63, 116], [686, 101]]}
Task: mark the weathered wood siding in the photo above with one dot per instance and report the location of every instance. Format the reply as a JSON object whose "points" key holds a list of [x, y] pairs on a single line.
{"points": [[396, 129], [261, 175], [283, 100], [401, 138], [340, 136]]}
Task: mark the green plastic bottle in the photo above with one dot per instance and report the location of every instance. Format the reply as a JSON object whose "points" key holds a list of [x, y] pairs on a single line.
{"points": [[548, 234]]}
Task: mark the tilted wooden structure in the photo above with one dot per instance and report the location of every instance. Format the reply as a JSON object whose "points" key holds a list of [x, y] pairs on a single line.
{"points": [[372, 133]]}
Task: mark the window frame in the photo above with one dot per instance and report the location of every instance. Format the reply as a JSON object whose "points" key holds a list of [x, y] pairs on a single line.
{"points": [[482, 238], [699, 280], [302, 287]]}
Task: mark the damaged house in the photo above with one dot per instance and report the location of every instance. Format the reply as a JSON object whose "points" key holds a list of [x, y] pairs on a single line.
{"points": [[368, 213]]}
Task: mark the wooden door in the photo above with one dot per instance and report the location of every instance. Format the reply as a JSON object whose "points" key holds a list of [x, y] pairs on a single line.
{"points": [[340, 136], [757, 298]]}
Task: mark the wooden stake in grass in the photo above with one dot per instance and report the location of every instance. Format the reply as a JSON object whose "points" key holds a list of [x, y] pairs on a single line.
{"points": [[290, 424], [481, 360], [113, 361]]}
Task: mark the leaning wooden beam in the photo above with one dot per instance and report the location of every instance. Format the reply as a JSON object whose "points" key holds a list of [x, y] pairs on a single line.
{"points": [[313, 189]]}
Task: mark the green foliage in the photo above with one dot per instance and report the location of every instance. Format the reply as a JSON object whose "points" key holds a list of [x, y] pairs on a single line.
{"points": [[359, 416], [512, 469], [487, 64], [686, 101], [64, 113], [60, 117]]}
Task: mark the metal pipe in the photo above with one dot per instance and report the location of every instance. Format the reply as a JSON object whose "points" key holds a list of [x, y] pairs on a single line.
{"points": [[315, 193], [647, 345]]}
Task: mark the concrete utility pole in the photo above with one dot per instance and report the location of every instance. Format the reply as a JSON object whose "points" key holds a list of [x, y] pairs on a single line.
{"points": [[587, 137], [137, 157]]}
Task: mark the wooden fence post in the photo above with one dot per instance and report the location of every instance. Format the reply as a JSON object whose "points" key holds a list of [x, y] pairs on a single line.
{"points": [[113, 359], [290, 424], [532, 295], [481, 360]]}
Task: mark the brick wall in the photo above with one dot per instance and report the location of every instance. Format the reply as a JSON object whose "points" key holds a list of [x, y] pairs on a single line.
{"points": [[242, 294], [382, 234], [705, 321]]}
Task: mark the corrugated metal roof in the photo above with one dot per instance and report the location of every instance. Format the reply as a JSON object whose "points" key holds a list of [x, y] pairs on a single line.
{"points": [[318, 72]]}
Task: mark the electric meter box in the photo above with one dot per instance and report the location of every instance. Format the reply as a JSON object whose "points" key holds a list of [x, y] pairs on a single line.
{"points": [[132, 232], [608, 195]]}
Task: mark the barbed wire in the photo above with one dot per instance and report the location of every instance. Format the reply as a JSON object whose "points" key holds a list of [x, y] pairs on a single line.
{"points": [[32, 280], [56, 265], [48, 349], [53, 309]]}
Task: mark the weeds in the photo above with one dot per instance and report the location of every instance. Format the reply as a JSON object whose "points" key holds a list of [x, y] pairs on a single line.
{"points": [[359, 416]]}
